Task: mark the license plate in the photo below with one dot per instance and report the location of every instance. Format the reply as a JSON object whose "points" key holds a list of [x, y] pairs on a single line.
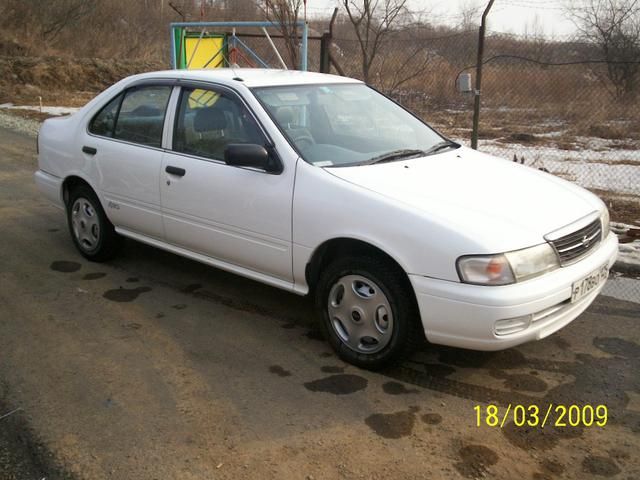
{"points": [[584, 287]]}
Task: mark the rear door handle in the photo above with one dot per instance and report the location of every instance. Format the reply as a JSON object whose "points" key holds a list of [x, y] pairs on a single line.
{"points": [[175, 171], [89, 150]]}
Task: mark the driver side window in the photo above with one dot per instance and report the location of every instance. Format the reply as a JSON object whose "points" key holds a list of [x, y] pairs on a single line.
{"points": [[208, 121]]}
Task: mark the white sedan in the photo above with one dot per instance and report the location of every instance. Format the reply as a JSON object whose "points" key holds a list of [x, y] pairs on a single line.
{"points": [[319, 184]]}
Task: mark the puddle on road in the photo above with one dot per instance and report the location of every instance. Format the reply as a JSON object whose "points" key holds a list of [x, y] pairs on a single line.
{"points": [[342, 384], [602, 466], [65, 266], [431, 418], [474, 461], [125, 294], [393, 425], [280, 371], [94, 276]]}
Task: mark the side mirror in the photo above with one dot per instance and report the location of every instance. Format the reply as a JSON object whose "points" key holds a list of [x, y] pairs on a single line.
{"points": [[250, 155]]}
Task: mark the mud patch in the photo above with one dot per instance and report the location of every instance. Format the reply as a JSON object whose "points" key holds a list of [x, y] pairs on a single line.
{"points": [[397, 388], [438, 370], [562, 343], [342, 384], [192, 288], [552, 466], [64, 266], [603, 466], [315, 335], [393, 425], [521, 382], [432, 418], [278, 370], [477, 359], [332, 369], [125, 294], [475, 459], [94, 276], [526, 437]]}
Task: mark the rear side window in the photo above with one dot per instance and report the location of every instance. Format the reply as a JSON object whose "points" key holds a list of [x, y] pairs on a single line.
{"points": [[141, 116], [104, 122]]}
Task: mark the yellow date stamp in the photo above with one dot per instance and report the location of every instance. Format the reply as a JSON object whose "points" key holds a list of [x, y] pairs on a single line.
{"points": [[540, 416]]}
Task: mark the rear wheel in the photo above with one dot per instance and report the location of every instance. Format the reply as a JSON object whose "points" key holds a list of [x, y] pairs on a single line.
{"points": [[91, 231], [368, 311]]}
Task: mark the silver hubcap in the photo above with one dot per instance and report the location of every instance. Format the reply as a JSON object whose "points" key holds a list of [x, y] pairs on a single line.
{"points": [[360, 314], [85, 223]]}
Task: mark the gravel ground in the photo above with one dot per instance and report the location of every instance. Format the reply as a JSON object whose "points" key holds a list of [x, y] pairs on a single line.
{"points": [[154, 366], [19, 124]]}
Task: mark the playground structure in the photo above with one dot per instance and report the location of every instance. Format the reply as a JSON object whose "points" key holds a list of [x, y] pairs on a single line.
{"points": [[197, 45]]}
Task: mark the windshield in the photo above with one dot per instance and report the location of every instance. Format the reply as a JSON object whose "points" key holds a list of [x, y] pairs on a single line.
{"points": [[347, 124]]}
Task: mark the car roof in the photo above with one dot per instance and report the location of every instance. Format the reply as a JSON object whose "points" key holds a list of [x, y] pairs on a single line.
{"points": [[252, 77]]}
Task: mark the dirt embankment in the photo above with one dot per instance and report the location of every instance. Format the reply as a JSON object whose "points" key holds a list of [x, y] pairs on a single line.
{"points": [[59, 80]]}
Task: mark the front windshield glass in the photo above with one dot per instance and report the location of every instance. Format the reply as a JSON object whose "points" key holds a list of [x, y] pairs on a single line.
{"points": [[347, 124]]}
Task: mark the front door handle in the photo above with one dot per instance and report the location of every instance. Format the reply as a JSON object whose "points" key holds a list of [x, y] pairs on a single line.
{"points": [[89, 150], [175, 171]]}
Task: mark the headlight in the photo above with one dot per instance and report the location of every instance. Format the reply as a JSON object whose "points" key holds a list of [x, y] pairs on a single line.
{"points": [[507, 268], [605, 223]]}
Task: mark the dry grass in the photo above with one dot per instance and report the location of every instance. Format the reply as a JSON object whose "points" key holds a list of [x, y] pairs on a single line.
{"points": [[622, 208]]}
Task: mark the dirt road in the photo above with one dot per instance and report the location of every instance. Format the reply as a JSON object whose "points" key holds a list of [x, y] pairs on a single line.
{"points": [[156, 367]]}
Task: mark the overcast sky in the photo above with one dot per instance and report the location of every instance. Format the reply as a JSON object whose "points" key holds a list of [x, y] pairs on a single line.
{"points": [[513, 16]]}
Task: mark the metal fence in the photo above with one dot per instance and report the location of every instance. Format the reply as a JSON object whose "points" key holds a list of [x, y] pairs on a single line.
{"points": [[546, 104]]}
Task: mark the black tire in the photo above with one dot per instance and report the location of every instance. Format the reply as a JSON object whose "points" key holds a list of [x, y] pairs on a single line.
{"points": [[105, 243], [406, 330]]}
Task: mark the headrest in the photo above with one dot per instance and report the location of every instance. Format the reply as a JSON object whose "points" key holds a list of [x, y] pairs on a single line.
{"points": [[284, 116], [209, 118]]}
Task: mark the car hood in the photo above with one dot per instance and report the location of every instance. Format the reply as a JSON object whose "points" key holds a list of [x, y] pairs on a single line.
{"points": [[499, 204]]}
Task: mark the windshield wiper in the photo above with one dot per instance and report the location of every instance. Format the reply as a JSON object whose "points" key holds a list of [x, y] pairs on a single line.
{"points": [[394, 155], [441, 146]]}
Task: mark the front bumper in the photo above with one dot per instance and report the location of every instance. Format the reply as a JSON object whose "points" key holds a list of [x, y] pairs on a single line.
{"points": [[463, 315]]}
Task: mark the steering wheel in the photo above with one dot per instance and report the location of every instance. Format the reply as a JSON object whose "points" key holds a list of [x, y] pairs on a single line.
{"points": [[303, 140]]}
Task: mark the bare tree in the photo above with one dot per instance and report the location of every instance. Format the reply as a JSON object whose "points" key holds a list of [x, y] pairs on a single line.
{"points": [[469, 12], [373, 21], [614, 27], [60, 14], [286, 12]]}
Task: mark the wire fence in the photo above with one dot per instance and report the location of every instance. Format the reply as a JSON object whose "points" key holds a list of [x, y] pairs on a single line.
{"points": [[549, 105]]}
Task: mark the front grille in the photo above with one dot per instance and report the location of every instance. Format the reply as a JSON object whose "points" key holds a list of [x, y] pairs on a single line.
{"points": [[570, 248]]}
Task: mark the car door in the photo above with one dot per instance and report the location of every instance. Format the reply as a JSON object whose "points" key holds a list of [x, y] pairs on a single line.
{"points": [[240, 216], [124, 140]]}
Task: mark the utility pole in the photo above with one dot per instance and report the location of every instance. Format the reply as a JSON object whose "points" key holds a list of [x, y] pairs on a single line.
{"points": [[476, 103]]}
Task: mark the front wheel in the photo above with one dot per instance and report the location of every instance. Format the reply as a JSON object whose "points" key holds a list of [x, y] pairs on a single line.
{"points": [[368, 311]]}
